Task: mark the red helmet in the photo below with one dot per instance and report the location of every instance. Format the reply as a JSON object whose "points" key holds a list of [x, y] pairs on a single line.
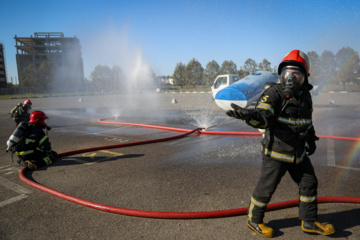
{"points": [[28, 103], [296, 58], [38, 117]]}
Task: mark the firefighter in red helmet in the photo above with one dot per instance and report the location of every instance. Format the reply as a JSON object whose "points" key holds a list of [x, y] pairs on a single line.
{"points": [[284, 112], [21, 112], [32, 145]]}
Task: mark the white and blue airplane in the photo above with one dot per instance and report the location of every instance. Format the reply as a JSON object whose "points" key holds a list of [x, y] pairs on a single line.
{"points": [[244, 91]]}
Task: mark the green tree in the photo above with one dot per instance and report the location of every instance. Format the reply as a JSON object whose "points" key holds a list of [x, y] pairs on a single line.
{"points": [[102, 77], [149, 80], [117, 77], [194, 72], [275, 69], [265, 65], [211, 71], [45, 75], [242, 73], [179, 75], [250, 66], [315, 67], [347, 64], [28, 76], [327, 68], [327, 62], [228, 67]]}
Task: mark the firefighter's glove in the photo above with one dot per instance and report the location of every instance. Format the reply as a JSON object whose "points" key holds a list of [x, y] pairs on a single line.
{"points": [[53, 153], [310, 148], [240, 113]]}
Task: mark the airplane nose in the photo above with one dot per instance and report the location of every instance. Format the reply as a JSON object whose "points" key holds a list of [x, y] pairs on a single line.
{"points": [[230, 94]]}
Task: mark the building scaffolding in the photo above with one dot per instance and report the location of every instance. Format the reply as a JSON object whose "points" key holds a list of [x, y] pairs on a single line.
{"points": [[64, 54], [3, 82]]}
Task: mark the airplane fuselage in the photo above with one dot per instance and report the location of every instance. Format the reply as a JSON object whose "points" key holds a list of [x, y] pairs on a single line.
{"points": [[245, 91]]}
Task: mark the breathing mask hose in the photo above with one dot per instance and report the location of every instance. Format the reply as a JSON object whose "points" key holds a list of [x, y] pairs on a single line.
{"points": [[288, 87], [288, 92]]}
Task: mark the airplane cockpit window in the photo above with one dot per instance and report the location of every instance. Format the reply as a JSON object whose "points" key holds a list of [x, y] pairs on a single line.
{"points": [[220, 81]]}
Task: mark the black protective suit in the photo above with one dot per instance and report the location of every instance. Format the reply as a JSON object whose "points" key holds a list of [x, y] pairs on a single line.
{"points": [[35, 146], [20, 113], [288, 140]]}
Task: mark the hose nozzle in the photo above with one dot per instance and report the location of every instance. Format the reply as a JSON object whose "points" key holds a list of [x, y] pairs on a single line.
{"points": [[201, 129]]}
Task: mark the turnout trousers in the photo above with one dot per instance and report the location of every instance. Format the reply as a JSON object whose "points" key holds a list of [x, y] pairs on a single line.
{"points": [[39, 158], [271, 173]]}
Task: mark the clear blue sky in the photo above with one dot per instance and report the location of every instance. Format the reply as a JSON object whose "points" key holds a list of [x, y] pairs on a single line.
{"points": [[165, 33]]}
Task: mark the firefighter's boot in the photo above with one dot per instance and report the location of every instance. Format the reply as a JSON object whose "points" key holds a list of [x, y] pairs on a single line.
{"points": [[30, 165], [21, 162], [317, 228], [261, 229]]}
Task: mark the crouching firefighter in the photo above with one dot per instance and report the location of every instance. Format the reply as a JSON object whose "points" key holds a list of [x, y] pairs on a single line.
{"points": [[21, 112], [31, 142], [284, 111]]}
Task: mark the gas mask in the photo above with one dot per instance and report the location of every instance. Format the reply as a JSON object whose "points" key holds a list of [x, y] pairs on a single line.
{"points": [[292, 79]]}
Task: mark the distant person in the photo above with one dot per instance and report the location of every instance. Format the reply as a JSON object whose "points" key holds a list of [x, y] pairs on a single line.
{"points": [[285, 111], [31, 142], [21, 112]]}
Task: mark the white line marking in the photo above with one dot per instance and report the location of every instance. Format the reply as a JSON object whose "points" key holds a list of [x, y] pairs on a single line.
{"points": [[102, 132], [10, 169], [331, 154], [11, 200], [330, 149], [348, 168], [5, 166], [13, 186]]}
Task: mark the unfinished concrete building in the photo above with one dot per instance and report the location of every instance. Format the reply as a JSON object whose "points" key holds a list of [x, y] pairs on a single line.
{"points": [[64, 54], [3, 82]]}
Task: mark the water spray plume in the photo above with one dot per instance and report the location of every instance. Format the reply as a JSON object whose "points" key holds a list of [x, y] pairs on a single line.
{"points": [[131, 74]]}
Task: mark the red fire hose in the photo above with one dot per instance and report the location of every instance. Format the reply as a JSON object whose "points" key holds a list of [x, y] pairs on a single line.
{"points": [[212, 132], [174, 215]]}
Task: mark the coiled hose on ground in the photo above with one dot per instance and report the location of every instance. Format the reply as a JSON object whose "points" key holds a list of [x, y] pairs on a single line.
{"points": [[175, 215]]}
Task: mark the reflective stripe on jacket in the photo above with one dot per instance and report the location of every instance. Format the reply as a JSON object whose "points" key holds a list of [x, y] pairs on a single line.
{"points": [[34, 139], [286, 122]]}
